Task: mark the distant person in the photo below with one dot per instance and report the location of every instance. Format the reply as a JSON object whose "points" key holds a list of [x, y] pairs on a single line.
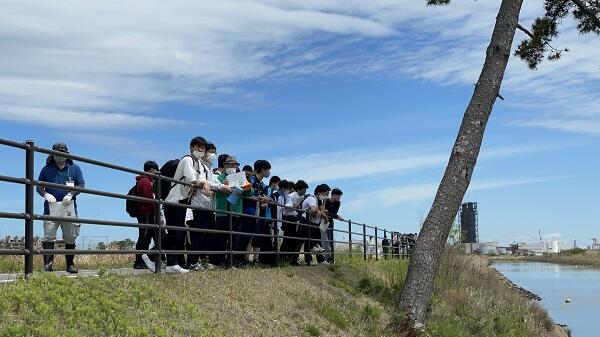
{"points": [[293, 201], [60, 170], [249, 171], [188, 171], [312, 232], [385, 243], [144, 188], [286, 220], [332, 207]]}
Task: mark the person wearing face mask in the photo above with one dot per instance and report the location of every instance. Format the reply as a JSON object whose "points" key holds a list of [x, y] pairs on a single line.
{"points": [[287, 223], [63, 171], [332, 207], [144, 187], [205, 218], [188, 170], [312, 205], [231, 166], [262, 170], [293, 202], [324, 226]]}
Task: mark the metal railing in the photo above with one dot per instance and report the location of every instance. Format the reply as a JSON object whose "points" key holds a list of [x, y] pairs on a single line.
{"points": [[396, 248]]}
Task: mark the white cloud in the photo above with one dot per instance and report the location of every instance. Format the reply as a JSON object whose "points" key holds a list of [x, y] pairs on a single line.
{"points": [[412, 193], [106, 61], [365, 162], [83, 120]]}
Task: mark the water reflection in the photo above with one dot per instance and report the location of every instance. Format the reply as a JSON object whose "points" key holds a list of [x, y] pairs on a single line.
{"points": [[555, 283]]}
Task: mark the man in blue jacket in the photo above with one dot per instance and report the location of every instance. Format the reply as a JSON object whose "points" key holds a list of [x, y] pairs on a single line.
{"points": [[60, 170]]}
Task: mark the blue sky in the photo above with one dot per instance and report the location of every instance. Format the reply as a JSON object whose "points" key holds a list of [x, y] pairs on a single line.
{"points": [[366, 96]]}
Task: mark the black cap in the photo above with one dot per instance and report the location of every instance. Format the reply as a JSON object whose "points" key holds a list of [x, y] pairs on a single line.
{"points": [[62, 147]]}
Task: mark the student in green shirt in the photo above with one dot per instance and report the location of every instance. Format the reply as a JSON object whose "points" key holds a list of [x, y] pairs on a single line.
{"points": [[222, 204]]}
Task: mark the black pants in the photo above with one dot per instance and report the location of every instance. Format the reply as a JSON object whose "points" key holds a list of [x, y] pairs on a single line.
{"points": [[220, 242], [265, 243], [310, 237], [200, 241], [330, 242], [145, 236], [248, 225], [175, 216], [289, 245]]}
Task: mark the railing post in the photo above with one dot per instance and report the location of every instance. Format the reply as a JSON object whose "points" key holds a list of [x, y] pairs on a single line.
{"points": [[364, 241], [230, 248], [376, 247], [309, 228], [276, 240], [158, 219], [29, 167], [349, 237]]}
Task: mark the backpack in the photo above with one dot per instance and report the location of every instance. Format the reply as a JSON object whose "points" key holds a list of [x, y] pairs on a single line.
{"points": [[302, 214], [132, 207], [168, 170]]}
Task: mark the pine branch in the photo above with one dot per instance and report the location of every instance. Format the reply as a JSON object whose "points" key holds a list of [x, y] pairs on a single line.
{"points": [[592, 16], [524, 30]]}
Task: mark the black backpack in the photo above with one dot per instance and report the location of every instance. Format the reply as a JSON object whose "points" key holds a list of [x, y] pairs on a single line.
{"points": [[132, 207], [168, 170], [302, 214]]}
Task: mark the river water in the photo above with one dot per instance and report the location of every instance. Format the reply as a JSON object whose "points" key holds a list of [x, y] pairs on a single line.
{"points": [[555, 283]]}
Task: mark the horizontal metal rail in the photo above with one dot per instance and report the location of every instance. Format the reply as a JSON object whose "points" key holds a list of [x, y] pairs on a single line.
{"points": [[304, 226]]}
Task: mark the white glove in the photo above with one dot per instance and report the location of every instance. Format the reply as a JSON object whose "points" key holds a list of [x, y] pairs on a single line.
{"points": [[49, 198], [67, 199]]}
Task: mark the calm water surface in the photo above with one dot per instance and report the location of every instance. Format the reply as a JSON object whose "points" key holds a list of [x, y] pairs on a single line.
{"points": [[555, 283]]}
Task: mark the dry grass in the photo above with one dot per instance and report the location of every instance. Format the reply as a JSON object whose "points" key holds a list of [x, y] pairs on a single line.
{"points": [[14, 264]]}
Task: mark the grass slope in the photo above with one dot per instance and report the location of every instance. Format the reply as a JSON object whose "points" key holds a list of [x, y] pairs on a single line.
{"points": [[353, 298]]}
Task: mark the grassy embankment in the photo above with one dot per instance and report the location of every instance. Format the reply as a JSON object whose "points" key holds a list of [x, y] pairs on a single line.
{"points": [[353, 298]]}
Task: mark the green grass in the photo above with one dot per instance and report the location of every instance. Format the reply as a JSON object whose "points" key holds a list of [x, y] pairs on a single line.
{"points": [[352, 298]]}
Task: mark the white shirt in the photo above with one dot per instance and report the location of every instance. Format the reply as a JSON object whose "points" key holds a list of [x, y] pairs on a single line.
{"points": [[309, 203], [187, 171], [292, 199], [199, 199]]}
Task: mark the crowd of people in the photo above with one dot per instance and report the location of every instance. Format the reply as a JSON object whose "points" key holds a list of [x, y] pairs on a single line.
{"points": [[267, 215]]}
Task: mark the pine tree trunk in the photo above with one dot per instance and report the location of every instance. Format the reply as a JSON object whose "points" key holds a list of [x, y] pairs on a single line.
{"points": [[426, 257]]}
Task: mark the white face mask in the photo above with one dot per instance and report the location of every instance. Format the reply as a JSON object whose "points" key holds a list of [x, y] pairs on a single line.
{"points": [[197, 154], [230, 170], [322, 197], [210, 157], [267, 174]]}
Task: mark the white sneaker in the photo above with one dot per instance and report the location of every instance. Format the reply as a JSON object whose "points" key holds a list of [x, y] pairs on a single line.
{"points": [[176, 269], [324, 263], [149, 263], [317, 249], [209, 266], [196, 267], [313, 263]]}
